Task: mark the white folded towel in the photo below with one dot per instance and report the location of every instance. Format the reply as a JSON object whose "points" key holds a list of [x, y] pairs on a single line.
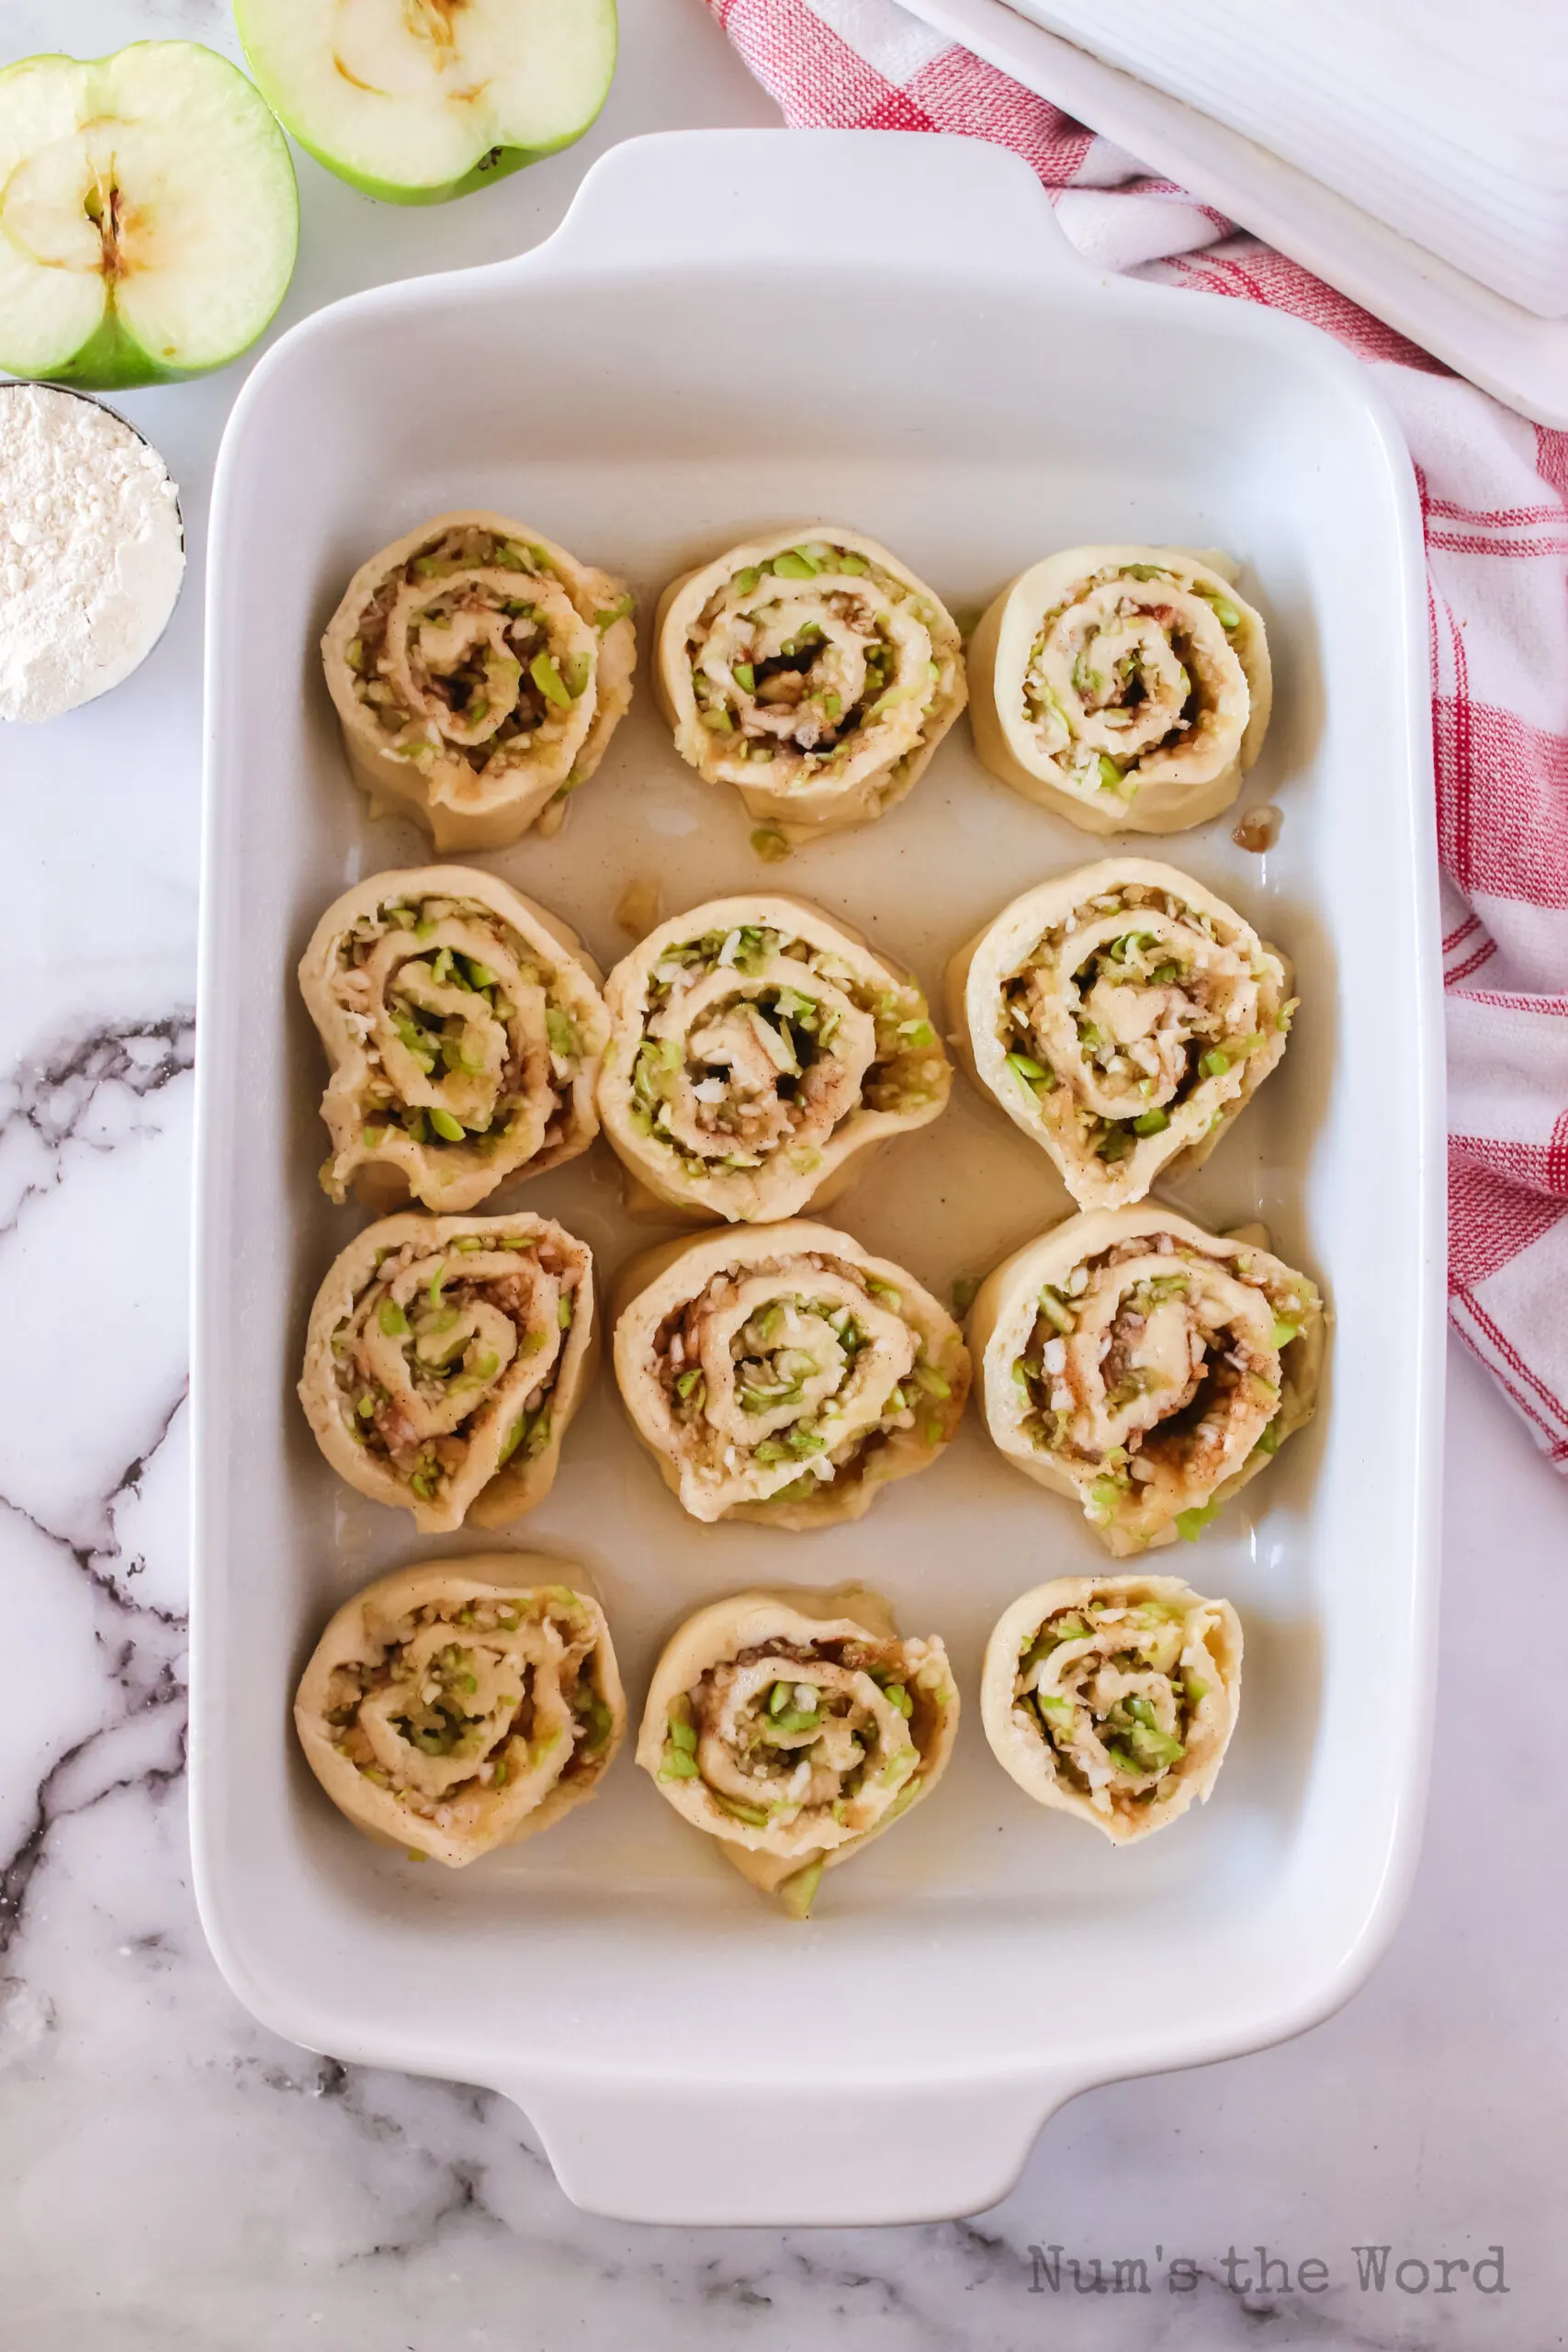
{"points": [[1446, 119]]}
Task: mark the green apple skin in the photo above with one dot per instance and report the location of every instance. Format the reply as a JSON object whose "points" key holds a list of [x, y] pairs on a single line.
{"points": [[112, 360], [498, 163]]}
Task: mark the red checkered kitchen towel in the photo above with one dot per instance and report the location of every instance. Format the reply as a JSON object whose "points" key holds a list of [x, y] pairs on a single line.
{"points": [[1494, 497]]}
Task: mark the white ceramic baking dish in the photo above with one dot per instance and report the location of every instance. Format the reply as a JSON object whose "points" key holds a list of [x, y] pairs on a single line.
{"points": [[730, 329]]}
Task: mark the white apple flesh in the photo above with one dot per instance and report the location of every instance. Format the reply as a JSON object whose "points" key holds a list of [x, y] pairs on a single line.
{"points": [[149, 219], [418, 100]]}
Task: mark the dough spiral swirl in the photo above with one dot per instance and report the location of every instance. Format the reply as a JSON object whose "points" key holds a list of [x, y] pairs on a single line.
{"points": [[811, 671], [794, 1726], [783, 1375], [1113, 1698], [460, 1705], [444, 1360], [757, 1048], [1146, 1368], [465, 1029], [478, 672], [1123, 1016], [1125, 687]]}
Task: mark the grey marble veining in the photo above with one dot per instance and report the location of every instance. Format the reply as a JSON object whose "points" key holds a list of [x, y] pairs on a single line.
{"points": [[170, 2175]]}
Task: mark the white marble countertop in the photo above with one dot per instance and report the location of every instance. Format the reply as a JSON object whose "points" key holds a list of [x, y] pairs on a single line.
{"points": [[172, 2175]]}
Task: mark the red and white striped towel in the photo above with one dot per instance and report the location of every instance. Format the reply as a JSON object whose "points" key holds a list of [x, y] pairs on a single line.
{"points": [[1494, 495]]}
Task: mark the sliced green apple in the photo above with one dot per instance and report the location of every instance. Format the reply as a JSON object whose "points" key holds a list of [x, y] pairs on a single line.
{"points": [[417, 100], [149, 217]]}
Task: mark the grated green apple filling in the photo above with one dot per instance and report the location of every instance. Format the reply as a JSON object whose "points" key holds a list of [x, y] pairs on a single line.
{"points": [[758, 1044], [814, 1744], [468, 1037], [1115, 1690], [1153, 1386], [1131, 1007], [1122, 667], [802, 663], [475, 1707], [440, 1340], [473, 648]]}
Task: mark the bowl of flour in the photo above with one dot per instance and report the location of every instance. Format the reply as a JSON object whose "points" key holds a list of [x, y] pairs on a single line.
{"points": [[92, 551]]}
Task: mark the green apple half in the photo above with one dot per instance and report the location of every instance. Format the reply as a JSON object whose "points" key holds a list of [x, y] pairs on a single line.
{"points": [[417, 100], [149, 217]]}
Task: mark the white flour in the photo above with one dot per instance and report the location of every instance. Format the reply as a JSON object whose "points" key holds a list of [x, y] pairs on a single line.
{"points": [[91, 551]]}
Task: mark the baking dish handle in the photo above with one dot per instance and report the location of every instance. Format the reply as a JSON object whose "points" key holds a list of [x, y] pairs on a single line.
{"points": [[900, 201], [773, 2157]]}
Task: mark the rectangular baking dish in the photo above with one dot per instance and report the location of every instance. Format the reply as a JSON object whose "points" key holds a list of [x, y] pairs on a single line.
{"points": [[733, 329]]}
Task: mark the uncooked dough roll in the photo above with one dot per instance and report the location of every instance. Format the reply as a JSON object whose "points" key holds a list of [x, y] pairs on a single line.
{"points": [[1127, 688], [782, 1373], [811, 671], [445, 1357], [478, 670], [1113, 1698], [1146, 1368], [757, 1047], [464, 1026], [796, 1725], [462, 1704], [1121, 1015]]}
